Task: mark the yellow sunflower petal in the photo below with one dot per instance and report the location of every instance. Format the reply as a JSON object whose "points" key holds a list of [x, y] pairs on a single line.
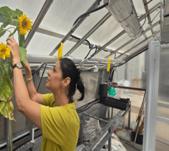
{"points": [[24, 24], [4, 51], [3, 57]]}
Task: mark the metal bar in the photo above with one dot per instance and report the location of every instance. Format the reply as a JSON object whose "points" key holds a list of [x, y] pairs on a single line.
{"points": [[58, 35], [149, 1], [101, 142], [131, 40], [9, 139], [163, 104], [133, 47], [140, 19], [109, 140], [129, 88], [38, 20], [91, 31], [163, 119], [73, 28], [153, 61], [95, 117], [129, 117], [53, 34], [15, 139], [108, 43], [148, 15], [158, 5], [140, 114], [141, 50], [136, 45], [102, 135]]}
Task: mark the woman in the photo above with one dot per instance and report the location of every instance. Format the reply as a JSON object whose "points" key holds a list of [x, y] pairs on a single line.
{"points": [[54, 113]]}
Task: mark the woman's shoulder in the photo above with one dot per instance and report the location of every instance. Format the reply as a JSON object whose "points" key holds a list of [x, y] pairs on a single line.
{"points": [[48, 99]]}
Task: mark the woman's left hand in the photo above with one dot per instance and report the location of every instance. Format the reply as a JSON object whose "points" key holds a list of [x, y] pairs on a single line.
{"points": [[14, 49]]}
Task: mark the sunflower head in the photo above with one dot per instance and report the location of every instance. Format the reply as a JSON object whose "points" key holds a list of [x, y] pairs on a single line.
{"points": [[4, 51], [24, 24]]}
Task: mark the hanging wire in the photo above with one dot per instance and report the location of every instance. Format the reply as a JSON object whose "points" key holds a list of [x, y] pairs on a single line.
{"points": [[89, 12], [90, 51], [88, 42], [94, 53]]}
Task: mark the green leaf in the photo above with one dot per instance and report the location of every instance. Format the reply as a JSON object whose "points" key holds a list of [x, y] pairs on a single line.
{"points": [[5, 81], [21, 40], [2, 32], [6, 91], [6, 109], [23, 55], [9, 16]]}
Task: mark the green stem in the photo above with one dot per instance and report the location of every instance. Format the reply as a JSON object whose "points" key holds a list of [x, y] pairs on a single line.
{"points": [[13, 32]]}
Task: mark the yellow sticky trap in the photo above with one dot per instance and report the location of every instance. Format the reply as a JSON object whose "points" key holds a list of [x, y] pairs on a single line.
{"points": [[109, 62], [60, 51]]}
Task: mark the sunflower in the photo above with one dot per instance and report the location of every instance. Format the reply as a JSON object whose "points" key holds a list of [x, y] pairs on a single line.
{"points": [[4, 51], [24, 24]]}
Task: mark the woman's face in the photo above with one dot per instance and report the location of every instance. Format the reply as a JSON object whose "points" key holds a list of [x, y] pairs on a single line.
{"points": [[55, 80]]}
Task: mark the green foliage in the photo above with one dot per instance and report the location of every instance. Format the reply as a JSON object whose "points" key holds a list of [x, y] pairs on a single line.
{"points": [[6, 106], [9, 16], [2, 31]]}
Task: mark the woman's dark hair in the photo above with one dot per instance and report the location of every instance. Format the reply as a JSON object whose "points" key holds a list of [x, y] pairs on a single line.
{"points": [[69, 69]]}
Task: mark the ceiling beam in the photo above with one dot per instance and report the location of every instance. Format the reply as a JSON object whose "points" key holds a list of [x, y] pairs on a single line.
{"points": [[38, 20]]}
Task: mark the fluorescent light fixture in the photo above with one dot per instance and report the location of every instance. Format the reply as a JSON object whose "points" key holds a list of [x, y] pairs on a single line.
{"points": [[125, 13]]}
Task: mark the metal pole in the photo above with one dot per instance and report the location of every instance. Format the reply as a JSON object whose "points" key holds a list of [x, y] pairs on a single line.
{"points": [[108, 43], [58, 35], [9, 139], [136, 45], [129, 117], [38, 20], [140, 19], [148, 16], [109, 141], [73, 28], [139, 51], [91, 31], [153, 61], [131, 40]]}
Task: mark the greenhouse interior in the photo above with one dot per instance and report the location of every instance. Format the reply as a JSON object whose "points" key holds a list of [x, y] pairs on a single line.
{"points": [[84, 75]]}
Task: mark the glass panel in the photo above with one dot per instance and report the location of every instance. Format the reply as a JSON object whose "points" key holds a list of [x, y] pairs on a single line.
{"points": [[31, 11], [133, 43], [107, 31], [62, 14], [81, 52]]}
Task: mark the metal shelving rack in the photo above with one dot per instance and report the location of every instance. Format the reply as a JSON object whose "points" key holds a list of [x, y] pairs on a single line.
{"points": [[109, 125]]}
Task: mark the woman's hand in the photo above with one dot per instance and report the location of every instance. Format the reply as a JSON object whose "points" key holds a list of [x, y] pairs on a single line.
{"points": [[28, 70], [14, 49]]}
